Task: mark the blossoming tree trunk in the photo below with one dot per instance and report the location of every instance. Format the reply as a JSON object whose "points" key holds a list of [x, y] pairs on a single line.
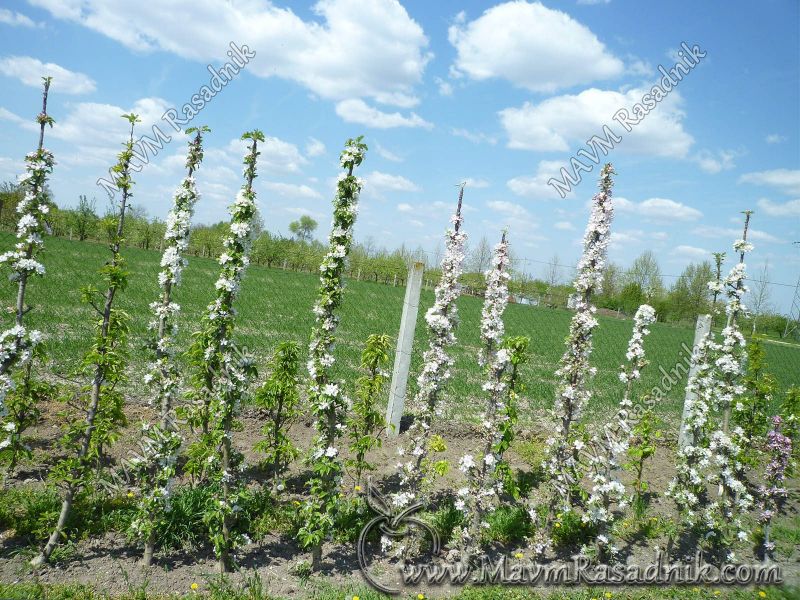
{"points": [[162, 441]]}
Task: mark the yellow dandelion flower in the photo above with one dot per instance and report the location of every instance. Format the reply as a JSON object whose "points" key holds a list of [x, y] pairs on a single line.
{"points": [[695, 589], [420, 596], [130, 494], [608, 594], [762, 594], [356, 598], [194, 587], [717, 592], [558, 524], [519, 555]]}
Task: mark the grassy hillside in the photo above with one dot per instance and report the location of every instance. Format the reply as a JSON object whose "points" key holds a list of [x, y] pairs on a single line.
{"points": [[276, 305]]}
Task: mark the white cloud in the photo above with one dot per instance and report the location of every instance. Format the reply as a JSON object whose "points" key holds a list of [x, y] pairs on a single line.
{"points": [[474, 137], [535, 186], [7, 115], [277, 155], [713, 163], [15, 19], [356, 110], [388, 155], [692, 252], [10, 168], [619, 238], [637, 67], [731, 233], [783, 180], [776, 209], [509, 209], [775, 138], [593, 2], [291, 190], [379, 182], [445, 87], [405, 207], [314, 147], [564, 226], [348, 49], [564, 123], [97, 130], [531, 46], [31, 70], [476, 183], [658, 210]]}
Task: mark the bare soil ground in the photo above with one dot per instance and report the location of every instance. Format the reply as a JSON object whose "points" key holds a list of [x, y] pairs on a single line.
{"points": [[111, 564]]}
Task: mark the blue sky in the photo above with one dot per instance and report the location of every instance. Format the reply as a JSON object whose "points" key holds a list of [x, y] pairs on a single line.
{"points": [[501, 95]]}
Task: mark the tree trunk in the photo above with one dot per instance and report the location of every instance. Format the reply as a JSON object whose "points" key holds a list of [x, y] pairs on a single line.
{"points": [[224, 556], [149, 550], [66, 508]]}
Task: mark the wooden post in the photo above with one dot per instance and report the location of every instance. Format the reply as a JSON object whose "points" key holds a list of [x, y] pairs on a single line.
{"points": [[395, 280], [402, 356], [702, 328]]}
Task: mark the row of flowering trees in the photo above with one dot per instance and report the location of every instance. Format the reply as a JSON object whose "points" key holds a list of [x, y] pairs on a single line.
{"points": [[582, 463]]}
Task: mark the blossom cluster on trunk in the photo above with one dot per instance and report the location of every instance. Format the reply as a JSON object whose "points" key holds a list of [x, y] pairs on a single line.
{"points": [[223, 372], [724, 515], [484, 488], [18, 342], [606, 449], [441, 319], [328, 400], [772, 494], [574, 372], [161, 442], [688, 487], [490, 477], [713, 456]]}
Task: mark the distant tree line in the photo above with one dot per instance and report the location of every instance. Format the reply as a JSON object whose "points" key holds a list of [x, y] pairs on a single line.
{"points": [[624, 290]]}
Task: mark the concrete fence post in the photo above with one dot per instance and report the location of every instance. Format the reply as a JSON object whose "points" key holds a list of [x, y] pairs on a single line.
{"points": [[702, 328], [402, 355]]}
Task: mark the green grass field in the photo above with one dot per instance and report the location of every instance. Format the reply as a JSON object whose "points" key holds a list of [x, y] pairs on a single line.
{"points": [[275, 305]]}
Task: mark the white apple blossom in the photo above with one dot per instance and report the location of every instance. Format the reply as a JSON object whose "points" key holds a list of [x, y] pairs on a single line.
{"points": [[442, 319], [162, 441], [486, 478], [608, 448], [713, 456], [222, 373], [328, 403], [574, 370], [17, 344]]}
